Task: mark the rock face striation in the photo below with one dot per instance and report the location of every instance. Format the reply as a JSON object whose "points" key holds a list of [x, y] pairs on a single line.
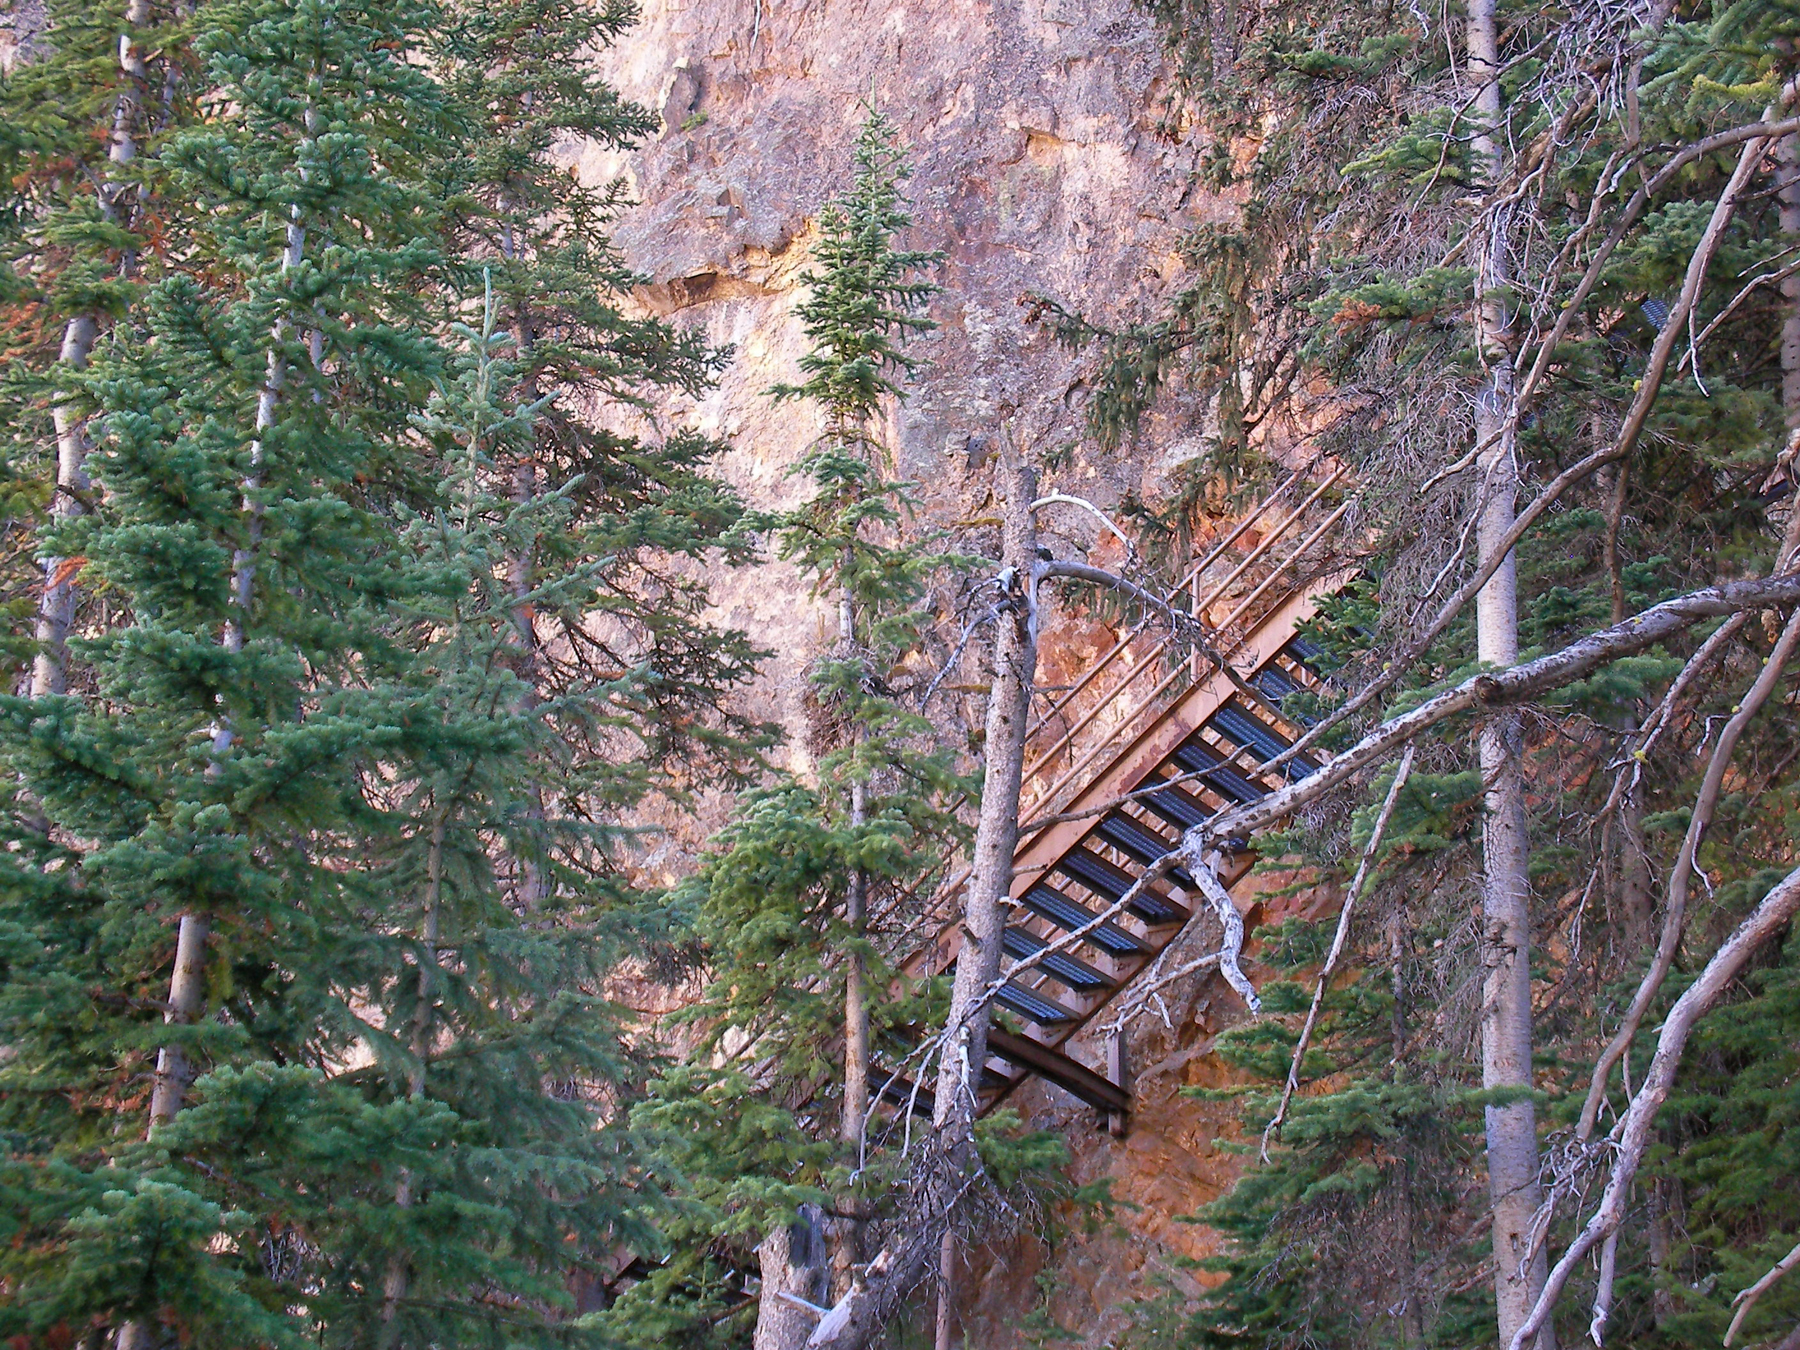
{"points": [[1042, 164]]}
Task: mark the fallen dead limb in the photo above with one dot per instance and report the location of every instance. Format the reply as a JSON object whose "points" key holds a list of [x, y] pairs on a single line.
{"points": [[1681, 877], [1746, 1299], [1505, 688]]}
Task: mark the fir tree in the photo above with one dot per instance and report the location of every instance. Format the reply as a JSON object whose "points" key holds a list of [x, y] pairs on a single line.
{"points": [[108, 82], [277, 908], [1382, 252], [812, 888]]}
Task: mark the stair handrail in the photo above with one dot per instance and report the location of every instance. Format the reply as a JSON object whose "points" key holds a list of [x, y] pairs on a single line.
{"points": [[1169, 598], [1199, 608], [955, 881]]}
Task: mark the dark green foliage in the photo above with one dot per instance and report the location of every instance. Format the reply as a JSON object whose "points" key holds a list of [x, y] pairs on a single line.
{"points": [[758, 1136], [345, 503], [1352, 261]]}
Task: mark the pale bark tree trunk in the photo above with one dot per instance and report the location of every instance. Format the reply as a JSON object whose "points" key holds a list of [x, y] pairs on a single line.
{"points": [[56, 607], [847, 1229], [1512, 1150], [795, 1274], [859, 1314], [187, 983], [988, 894], [944, 1334], [1787, 161]]}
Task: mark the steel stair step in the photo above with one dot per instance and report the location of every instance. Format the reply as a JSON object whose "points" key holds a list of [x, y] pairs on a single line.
{"points": [[1194, 757], [1274, 683], [1049, 903], [1234, 722], [1036, 1007], [1179, 807], [1138, 842], [1303, 652], [1020, 943], [1278, 686], [1102, 878]]}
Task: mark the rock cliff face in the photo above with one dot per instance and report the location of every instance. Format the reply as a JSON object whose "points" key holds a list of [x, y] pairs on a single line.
{"points": [[1040, 165]]}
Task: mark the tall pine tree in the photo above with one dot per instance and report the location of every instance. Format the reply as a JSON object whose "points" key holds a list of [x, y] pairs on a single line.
{"points": [[815, 885], [318, 874]]}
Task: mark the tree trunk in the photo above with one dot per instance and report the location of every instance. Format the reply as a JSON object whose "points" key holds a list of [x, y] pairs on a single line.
{"points": [[187, 985], [399, 1273], [859, 1315], [945, 1331], [1656, 1238], [794, 1275], [187, 996], [1635, 896], [1512, 1152], [847, 1229], [56, 607], [988, 894], [1787, 161], [521, 577]]}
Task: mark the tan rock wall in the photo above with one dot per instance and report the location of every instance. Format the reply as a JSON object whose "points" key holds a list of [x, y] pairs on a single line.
{"points": [[1039, 166]]}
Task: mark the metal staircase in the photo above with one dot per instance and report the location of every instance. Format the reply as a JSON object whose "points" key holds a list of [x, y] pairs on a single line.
{"points": [[1145, 715]]}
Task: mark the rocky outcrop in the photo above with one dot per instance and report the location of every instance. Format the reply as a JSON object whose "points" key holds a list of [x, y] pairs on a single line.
{"points": [[1040, 166]]}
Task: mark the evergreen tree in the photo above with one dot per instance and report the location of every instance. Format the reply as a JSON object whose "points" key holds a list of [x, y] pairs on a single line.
{"points": [[813, 887], [278, 898], [1391, 254], [109, 81]]}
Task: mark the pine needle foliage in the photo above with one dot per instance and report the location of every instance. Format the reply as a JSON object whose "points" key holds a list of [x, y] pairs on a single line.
{"points": [[1342, 295], [306, 707], [757, 1134]]}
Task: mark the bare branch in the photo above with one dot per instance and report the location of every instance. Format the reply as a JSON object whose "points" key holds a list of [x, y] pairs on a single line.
{"points": [[1746, 1299], [1680, 879], [1772, 914], [1099, 576], [1231, 944], [1088, 506], [1520, 684], [1337, 946]]}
